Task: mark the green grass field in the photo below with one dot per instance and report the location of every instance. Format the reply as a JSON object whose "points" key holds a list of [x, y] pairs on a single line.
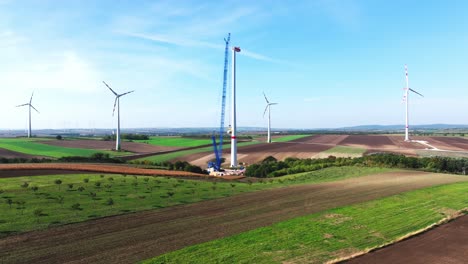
{"points": [[331, 234], [29, 146], [128, 193], [169, 156], [289, 138], [176, 141]]}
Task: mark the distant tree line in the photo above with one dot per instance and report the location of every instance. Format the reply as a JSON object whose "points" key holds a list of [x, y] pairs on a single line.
{"points": [[127, 136], [96, 157], [270, 167]]}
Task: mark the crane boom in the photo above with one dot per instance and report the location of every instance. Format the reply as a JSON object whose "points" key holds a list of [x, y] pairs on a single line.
{"points": [[218, 148], [223, 101]]}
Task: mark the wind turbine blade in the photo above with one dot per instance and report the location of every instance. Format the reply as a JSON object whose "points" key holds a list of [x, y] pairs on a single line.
{"points": [[22, 105], [34, 108], [110, 88], [265, 98], [115, 103], [273, 103], [416, 92], [126, 93], [265, 110], [30, 100]]}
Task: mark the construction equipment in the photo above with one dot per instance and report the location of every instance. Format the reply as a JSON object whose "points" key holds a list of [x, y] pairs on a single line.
{"points": [[218, 148]]}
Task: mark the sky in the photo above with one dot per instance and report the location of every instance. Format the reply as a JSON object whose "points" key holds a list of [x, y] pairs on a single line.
{"points": [[327, 63]]}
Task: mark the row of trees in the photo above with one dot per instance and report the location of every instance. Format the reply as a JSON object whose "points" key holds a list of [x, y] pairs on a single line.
{"points": [[270, 167], [127, 136], [178, 165]]}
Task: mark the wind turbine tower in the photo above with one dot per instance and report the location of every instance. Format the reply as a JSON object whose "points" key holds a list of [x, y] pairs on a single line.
{"points": [[406, 100], [233, 112], [117, 102], [268, 107], [30, 106]]}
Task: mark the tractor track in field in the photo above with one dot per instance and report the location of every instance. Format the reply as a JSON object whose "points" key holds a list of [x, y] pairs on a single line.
{"points": [[138, 236]]}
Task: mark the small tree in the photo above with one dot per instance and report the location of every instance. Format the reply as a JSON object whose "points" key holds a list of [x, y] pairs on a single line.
{"points": [[60, 200], [97, 184], [38, 213], [81, 188], [110, 202], [232, 187], [58, 182], [9, 202], [146, 180], [21, 206], [70, 186], [86, 180], [34, 188], [25, 185], [76, 206], [58, 137], [108, 187], [170, 194]]}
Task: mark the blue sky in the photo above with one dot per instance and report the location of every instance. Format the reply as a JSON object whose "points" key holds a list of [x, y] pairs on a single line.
{"points": [[328, 63]]}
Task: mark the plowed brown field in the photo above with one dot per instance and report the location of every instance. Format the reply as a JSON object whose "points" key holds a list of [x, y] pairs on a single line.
{"points": [[81, 167], [134, 237], [445, 244], [5, 153]]}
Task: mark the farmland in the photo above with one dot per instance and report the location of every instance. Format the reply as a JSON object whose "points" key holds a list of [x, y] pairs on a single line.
{"points": [[176, 141], [31, 147], [326, 236], [320, 146], [133, 237]]}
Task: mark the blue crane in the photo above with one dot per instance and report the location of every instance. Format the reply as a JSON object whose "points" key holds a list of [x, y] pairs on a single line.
{"points": [[218, 149]]}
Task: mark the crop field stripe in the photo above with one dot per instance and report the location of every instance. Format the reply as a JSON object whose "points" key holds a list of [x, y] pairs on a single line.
{"points": [[289, 138], [345, 150], [176, 141], [33, 148], [324, 236]]}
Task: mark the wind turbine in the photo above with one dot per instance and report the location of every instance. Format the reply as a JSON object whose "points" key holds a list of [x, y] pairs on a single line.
{"points": [[117, 102], [30, 106], [268, 106], [406, 99]]}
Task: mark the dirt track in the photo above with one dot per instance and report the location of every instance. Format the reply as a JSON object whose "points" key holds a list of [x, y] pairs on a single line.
{"points": [[445, 244], [134, 237], [24, 169]]}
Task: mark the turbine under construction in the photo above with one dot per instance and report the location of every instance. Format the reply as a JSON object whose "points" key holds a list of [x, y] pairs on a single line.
{"points": [[233, 105]]}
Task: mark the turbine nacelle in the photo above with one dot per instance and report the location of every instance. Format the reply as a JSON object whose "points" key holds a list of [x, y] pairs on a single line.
{"points": [[117, 96]]}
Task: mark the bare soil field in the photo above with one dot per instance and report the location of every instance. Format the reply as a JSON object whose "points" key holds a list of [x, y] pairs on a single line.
{"points": [[134, 237], [5, 153], [446, 143], [25, 169], [447, 243], [108, 145], [256, 153], [311, 146]]}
